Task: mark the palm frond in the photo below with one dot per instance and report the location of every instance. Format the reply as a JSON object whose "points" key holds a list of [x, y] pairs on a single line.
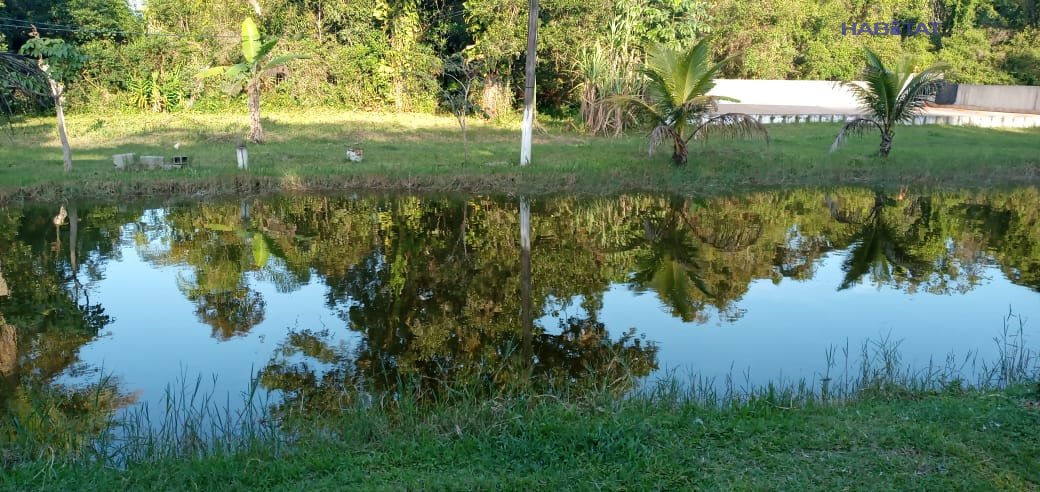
{"points": [[858, 126], [731, 125], [637, 102], [659, 134], [21, 73], [914, 95]]}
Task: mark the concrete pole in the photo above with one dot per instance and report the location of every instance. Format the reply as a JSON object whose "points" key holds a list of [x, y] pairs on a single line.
{"points": [[529, 83]]}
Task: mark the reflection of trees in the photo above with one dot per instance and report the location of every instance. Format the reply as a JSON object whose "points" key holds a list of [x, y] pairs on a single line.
{"points": [[668, 262], [46, 316], [879, 249], [430, 285], [218, 245]]}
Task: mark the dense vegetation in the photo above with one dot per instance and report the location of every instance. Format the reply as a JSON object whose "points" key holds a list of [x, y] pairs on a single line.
{"points": [[389, 54]]}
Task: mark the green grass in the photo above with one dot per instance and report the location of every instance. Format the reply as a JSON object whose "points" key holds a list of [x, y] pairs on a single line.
{"points": [[412, 152], [883, 428], [942, 440]]}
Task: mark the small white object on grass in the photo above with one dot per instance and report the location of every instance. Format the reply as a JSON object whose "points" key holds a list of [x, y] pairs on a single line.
{"points": [[355, 154]]}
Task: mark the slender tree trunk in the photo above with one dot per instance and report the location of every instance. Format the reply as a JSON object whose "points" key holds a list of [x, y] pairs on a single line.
{"points": [[465, 140], [529, 83], [319, 21], [57, 91], [886, 143], [256, 132]]}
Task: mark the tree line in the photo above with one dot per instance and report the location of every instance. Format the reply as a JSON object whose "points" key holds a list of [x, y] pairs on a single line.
{"points": [[391, 54]]}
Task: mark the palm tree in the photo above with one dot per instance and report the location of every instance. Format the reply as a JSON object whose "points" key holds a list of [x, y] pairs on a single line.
{"points": [[250, 75], [890, 96], [676, 98]]}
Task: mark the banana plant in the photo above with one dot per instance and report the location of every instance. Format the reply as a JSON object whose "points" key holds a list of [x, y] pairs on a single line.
{"points": [[250, 75]]}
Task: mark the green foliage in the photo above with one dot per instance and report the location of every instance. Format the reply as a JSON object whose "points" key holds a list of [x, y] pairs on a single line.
{"points": [[154, 94], [386, 54], [62, 60], [892, 95], [676, 99]]}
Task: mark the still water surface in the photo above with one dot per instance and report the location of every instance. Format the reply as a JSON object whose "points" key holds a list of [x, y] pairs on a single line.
{"points": [[310, 291]]}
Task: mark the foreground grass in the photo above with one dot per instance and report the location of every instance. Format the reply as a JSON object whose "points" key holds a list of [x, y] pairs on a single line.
{"points": [[421, 152], [938, 440]]}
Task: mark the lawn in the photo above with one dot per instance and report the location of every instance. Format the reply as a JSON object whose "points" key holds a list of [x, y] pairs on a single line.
{"points": [[413, 152], [939, 440]]}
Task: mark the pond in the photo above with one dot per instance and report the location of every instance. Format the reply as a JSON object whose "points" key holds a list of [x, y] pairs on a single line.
{"points": [[311, 295]]}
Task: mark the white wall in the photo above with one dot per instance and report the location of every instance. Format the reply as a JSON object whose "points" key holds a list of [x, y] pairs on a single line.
{"points": [[821, 93], [828, 94], [1010, 98]]}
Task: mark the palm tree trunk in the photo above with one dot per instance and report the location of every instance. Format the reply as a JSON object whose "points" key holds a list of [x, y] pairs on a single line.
{"points": [[679, 151], [256, 132], [886, 143], [529, 83]]}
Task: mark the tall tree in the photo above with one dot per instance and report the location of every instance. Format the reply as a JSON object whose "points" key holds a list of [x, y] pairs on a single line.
{"points": [[60, 62], [529, 82]]}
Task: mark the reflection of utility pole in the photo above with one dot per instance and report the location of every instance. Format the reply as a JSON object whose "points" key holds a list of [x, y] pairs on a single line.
{"points": [[526, 316], [244, 212], [73, 259]]}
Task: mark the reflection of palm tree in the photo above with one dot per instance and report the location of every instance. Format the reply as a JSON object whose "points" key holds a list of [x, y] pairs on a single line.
{"points": [[669, 264], [878, 248]]}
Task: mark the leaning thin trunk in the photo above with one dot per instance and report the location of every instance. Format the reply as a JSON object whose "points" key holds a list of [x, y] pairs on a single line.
{"points": [[886, 143], [57, 92], [256, 132]]}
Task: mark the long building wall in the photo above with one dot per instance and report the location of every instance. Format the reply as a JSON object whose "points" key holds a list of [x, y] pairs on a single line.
{"points": [[821, 93], [1011, 98], [781, 101]]}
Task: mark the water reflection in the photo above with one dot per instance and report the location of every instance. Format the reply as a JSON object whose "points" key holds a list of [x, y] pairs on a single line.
{"points": [[438, 289]]}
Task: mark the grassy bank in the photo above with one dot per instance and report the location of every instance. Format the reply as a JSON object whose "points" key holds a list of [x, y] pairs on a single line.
{"points": [[419, 152], [890, 440], [874, 425]]}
